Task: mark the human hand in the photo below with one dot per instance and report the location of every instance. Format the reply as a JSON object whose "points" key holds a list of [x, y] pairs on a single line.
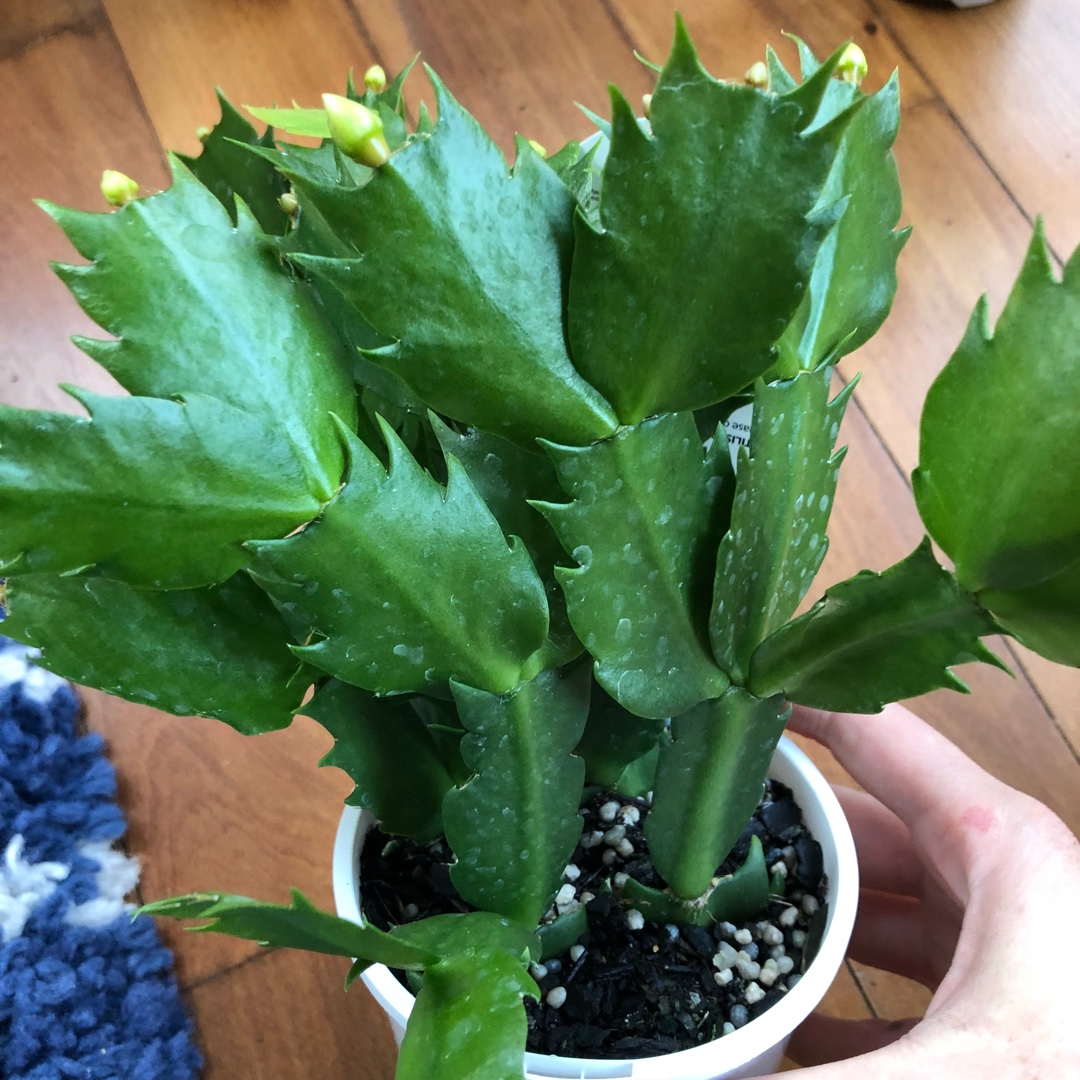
{"points": [[969, 887]]}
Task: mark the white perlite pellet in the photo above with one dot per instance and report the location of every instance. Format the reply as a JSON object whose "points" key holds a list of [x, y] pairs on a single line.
{"points": [[747, 968], [556, 998], [743, 937], [566, 896], [571, 873], [777, 951], [624, 848], [635, 920], [779, 868], [587, 896], [609, 856], [725, 956], [722, 978], [411, 911], [753, 994], [809, 904], [620, 879], [729, 1027], [592, 839], [576, 953], [769, 973], [609, 811], [789, 916], [538, 971], [630, 814], [614, 835], [726, 928], [772, 936], [798, 938], [785, 965]]}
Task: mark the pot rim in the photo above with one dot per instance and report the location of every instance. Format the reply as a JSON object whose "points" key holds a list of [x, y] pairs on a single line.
{"points": [[826, 822]]}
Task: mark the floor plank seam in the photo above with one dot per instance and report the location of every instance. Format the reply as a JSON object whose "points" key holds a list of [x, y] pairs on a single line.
{"points": [[1050, 712], [189, 988], [620, 27], [361, 28], [954, 118], [859, 986], [129, 76], [81, 26]]}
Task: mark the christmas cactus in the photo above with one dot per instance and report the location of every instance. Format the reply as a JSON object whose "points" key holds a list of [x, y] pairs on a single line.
{"points": [[445, 441]]}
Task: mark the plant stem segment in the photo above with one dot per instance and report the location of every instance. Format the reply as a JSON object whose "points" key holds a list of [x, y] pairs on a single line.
{"points": [[708, 782]]}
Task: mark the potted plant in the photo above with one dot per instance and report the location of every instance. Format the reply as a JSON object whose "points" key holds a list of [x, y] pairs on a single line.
{"points": [[448, 442]]}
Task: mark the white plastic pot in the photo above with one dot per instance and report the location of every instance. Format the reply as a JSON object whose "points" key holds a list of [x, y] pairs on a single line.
{"points": [[753, 1050]]}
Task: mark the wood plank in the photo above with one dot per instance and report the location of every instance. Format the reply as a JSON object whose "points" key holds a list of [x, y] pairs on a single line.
{"points": [[211, 810], [57, 140], [1058, 686], [894, 998], [27, 22], [284, 1016], [732, 34], [258, 54], [1002, 71], [968, 239], [518, 67]]}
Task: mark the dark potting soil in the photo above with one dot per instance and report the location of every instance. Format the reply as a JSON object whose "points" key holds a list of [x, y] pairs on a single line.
{"points": [[633, 988]]}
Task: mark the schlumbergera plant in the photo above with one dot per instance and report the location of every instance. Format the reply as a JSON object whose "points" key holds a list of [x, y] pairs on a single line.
{"points": [[445, 440]]}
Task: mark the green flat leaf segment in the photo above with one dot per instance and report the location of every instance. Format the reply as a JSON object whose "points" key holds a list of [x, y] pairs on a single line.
{"points": [[651, 336], [709, 780], [506, 477], [649, 509], [993, 485], [614, 738], [732, 898], [468, 1020], [159, 493], [407, 583], [853, 282], [201, 305], [474, 932], [877, 638], [386, 750], [294, 121], [299, 926], [463, 264], [220, 651], [226, 166], [784, 493], [513, 826]]}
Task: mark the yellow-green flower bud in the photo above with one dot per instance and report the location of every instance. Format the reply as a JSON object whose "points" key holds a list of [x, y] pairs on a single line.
{"points": [[203, 133], [357, 131], [757, 75], [375, 79], [537, 148], [289, 203], [646, 105], [852, 67], [117, 188]]}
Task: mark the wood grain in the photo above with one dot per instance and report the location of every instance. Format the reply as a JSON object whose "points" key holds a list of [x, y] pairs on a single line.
{"points": [[988, 138], [284, 1016], [211, 810], [731, 34], [1005, 72], [57, 139]]}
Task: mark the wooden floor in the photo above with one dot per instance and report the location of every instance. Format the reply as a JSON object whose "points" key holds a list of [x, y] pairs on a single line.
{"points": [[990, 138]]}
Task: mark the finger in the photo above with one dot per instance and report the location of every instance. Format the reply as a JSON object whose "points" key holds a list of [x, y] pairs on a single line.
{"points": [[952, 807], [888, 861], [822, 1039], [890, 933]]}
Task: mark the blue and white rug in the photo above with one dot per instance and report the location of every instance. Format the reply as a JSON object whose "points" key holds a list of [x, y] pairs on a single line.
{"points": [[85, 992]]}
